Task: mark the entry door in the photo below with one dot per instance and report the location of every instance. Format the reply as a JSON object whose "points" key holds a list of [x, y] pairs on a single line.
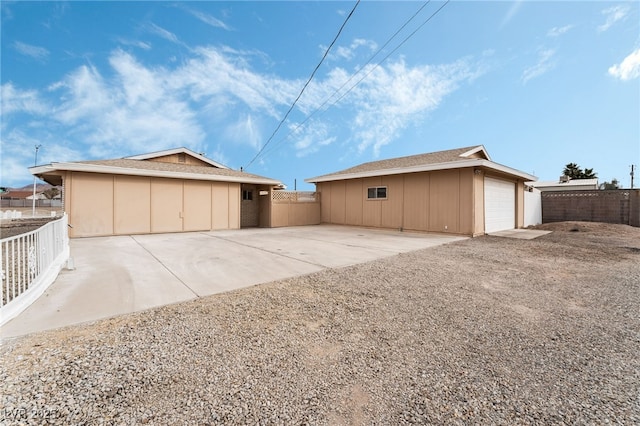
{"points": [[499, 205]]}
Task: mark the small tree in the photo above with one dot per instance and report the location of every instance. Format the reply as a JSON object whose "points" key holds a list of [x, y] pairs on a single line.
{"points": [[614, 184], [51, 193], [575, 172]]}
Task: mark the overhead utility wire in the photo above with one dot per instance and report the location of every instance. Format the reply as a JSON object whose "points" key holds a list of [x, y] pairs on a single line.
{"points": [[305, 85], [352, 76], [392, 52], [381, 61]]}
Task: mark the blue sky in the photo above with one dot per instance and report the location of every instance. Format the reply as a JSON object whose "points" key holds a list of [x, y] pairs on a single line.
{"points": [[539, 84]]}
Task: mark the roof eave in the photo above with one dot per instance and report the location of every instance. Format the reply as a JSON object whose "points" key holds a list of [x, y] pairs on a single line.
{"points": [[475, 162], [99, 168]]}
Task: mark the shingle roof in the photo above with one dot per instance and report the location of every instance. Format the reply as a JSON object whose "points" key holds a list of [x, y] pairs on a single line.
{"points": [[171, 167], [127, 166], [439, 157]]}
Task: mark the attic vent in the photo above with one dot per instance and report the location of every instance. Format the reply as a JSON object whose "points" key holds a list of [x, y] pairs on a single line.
{"points": [[564, 179], [182, 157]]}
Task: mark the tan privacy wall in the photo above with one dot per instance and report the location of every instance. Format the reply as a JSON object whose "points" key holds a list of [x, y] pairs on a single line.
{"points": [[290, 208], [100, 204], [440, 201]]}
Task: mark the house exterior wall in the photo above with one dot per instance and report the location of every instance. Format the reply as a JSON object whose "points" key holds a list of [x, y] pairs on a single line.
{"points": [[439, 201], [102, 204]]}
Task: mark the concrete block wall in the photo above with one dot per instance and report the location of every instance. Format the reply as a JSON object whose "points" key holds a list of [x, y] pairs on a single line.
{"points": [[608, 206], [634, 208]]}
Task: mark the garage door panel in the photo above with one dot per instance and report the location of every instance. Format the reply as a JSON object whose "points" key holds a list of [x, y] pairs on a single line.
{"points": [[197, 206], [499, 205], [132, 208], [166, 205]]}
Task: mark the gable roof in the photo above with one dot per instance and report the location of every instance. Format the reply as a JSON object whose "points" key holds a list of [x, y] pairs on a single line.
{"points": [[181, 150], [472, 156], [143, 165]]}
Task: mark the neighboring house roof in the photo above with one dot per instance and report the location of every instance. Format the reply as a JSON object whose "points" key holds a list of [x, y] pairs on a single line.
{"points": [[573, 184], [472, 156], [16, 195], [143, 165]]}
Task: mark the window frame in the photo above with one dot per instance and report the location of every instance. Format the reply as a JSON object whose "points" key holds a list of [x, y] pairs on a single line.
{"points": [[247, 195], [376, 193]]}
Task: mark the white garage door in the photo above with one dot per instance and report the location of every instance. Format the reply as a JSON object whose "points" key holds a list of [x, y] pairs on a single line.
{"points": [[499, 205]]}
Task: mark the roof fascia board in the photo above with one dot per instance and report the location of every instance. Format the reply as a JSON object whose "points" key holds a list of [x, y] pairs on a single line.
{"points": [[474, 162], [94, 168], [177, 151]]}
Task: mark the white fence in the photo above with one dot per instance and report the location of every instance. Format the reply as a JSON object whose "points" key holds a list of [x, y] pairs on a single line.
{"points": [[30, 263]]}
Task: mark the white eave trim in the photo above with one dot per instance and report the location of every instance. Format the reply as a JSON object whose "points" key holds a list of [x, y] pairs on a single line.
{"points": [[177, 151], [99, 168], [474, 162]]}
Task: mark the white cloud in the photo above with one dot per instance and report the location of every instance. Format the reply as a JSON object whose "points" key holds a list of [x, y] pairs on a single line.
{"points": [[613, 14], [16, 100], [543, 65], [392, 98], [161, 32], [311, 137], [136, 111], [216, 93], [208, 19], [32, 51], [513, 10], [244, 131], [135, 43], [349, 52], [629, 68], [558, 31]]}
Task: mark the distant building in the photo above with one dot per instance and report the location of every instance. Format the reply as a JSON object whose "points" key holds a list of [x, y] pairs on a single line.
{"points": [[565, 183]]}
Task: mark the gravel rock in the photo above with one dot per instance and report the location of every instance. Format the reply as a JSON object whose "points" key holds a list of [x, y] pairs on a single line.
{"points": [[483, 331]]}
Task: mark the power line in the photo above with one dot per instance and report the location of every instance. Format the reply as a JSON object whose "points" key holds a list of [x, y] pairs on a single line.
{"points": [[353, 75], [374, 67], [305, 85]]}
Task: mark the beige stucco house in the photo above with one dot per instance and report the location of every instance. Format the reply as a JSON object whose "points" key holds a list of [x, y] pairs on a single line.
{"points": [[459, 191], [174, 190]]}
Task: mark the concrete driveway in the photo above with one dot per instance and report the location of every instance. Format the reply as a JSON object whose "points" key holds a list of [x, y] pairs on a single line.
{"points": [[118, 275]]}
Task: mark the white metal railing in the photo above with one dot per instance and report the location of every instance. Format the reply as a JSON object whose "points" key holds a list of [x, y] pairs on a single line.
{"points": [[30, 262]]}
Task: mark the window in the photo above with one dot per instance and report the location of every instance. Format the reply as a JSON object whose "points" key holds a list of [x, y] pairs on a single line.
{"points": [[376, 192], [247, 195]]}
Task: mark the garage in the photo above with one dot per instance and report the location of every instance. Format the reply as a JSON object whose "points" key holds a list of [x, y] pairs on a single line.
{"points": [[169, 191], [499, 204], [458, 191]]}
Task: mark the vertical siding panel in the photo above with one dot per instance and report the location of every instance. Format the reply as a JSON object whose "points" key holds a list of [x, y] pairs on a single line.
{"points": [[353, 195], [391, 208], [372, 209]]}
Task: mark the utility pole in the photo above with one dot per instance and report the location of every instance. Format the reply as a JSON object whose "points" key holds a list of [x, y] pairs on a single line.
{"points": [[632, 170], [35, 163]]}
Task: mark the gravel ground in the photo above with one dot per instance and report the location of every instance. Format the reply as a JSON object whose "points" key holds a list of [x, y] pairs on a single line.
{"points": [[10, 228], [483, 331]]}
